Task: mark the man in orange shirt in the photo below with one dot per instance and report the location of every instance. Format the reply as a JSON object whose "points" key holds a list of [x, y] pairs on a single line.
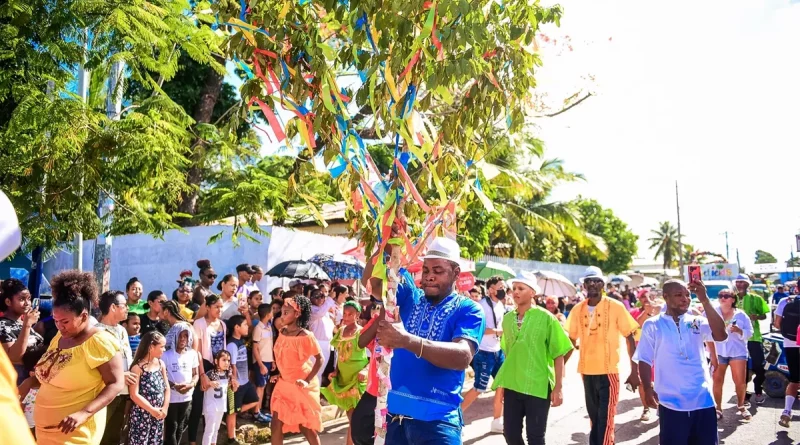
{"points": [[598, 322]]}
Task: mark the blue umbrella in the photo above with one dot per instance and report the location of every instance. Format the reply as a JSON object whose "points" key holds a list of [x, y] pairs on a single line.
{"points": [[338, 266]]}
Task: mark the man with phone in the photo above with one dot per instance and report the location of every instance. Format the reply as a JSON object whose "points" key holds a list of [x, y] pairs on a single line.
{"points": [[674, 342], [490, 357], [757, 309]]}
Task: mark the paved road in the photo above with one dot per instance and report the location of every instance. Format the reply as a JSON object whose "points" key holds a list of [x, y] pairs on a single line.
{"points": [[569, 424]]}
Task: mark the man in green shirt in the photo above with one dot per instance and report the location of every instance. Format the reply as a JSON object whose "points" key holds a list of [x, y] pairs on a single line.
{"points": [[535, 346], [757, 309]]}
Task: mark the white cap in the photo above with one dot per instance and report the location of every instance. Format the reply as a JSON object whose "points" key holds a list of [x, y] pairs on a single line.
{"points": [[743, 277], [527, 279], [10, 235], [445, 249], [593, 272]]}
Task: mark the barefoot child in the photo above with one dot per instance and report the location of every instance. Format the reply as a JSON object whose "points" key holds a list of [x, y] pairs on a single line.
{"points": [[348, 381], [262, 355], [244, 393], [295, 400], [215, 398], [151, 394]]}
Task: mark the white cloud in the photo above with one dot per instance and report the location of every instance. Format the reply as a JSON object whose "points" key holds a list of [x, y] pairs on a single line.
{"points": [[706, 93]]}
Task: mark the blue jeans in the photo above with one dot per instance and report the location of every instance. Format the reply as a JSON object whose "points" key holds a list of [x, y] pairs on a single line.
{"points": [[408, 431], [486, 364]]}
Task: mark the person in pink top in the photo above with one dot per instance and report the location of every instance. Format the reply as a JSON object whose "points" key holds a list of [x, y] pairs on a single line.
{"points": [[362, 424]]}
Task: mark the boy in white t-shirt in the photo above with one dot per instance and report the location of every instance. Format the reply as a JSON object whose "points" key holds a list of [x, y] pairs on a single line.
{"points": [[262, 355], [183, 372]]}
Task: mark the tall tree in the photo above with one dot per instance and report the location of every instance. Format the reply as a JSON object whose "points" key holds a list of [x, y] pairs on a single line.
{"points": [[793, 262], [59, 152], [763, 257], [665, 241], [614, 232]]}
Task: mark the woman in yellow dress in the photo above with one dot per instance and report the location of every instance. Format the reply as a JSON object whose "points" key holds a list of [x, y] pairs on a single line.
{"points": [[81, 372]]}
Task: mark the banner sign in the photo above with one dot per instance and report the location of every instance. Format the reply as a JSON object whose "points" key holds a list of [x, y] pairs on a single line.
{"points": [[716, 271], [465, 281]]}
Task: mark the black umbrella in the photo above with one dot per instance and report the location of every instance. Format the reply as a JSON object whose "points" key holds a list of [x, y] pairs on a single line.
{"points": [[298, 269]]}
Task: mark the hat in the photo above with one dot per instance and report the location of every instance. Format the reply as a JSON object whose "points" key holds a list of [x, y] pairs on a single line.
{"points": [[527, 279], [593, 272], [445, 249], [743, 277], [294, 283], [244, 268]]}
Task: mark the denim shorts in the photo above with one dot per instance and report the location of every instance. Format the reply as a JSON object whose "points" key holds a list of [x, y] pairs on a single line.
{"points": [[486, 364], [408, 431], [261, 380], [727, 360]]}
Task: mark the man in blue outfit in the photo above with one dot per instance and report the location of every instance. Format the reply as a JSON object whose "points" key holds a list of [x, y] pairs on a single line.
{"points": [[434, 342]]}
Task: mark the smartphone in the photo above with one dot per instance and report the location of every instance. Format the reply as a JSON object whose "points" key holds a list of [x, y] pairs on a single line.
{"points": [[35, 304], [695, 274]]}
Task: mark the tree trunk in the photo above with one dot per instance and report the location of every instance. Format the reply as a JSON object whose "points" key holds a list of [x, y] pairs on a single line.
{"points": [[202, 115]]}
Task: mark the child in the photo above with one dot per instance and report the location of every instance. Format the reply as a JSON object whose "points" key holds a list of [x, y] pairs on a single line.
{"points": [[262, 355], [215, 398], [295, 400], [253, 302], [245, 397], [183, 372], [27, 392], [151, 394], [348, 381], [133, 324]]}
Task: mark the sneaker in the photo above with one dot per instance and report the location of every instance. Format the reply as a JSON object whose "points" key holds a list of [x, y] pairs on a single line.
{"points": [[232, 442], [760, 399], [263, 418], [645, 415], [786, 416], [497, 425]]}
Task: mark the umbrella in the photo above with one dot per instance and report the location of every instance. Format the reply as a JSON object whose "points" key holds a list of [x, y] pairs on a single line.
{"points": [[620, 279], [553, 283], [339, 266], [487, 269], [648, 281], [298, 269], [636, 279]]}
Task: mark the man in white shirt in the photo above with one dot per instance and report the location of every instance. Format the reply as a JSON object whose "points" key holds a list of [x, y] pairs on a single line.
{"points": [[673, 342], [490, 358], [787, 317]]}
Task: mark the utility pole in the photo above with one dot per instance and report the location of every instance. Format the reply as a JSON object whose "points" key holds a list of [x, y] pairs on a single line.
{"points": [[105, 205], [680, 241], [727, 248]]}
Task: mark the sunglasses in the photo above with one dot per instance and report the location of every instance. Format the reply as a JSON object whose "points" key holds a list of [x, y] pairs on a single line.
{"points": [[593, 280], [184, 291], [725, 297], [213, 276]]}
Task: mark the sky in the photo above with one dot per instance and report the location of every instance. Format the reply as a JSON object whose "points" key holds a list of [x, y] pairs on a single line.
{"points": [[703, 93]]}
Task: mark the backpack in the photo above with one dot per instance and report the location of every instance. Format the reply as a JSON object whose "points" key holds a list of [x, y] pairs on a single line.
{"points": [[791, 319]]}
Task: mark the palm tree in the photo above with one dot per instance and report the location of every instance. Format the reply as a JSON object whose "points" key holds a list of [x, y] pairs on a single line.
{"points": [[530, 219], [665, 241]]}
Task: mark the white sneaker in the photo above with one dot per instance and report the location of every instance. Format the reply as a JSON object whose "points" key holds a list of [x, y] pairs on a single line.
{"points": [[497, 425], [760, 398]]}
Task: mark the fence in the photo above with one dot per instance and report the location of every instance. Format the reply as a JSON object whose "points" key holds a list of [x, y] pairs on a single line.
{"points": [[571, 271]]}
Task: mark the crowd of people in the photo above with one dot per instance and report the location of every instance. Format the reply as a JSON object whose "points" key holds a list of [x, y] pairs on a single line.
{"points": [[144, 368]]}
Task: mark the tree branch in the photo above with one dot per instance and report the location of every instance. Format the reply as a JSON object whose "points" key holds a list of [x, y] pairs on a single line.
{"points": [[564, 110]]}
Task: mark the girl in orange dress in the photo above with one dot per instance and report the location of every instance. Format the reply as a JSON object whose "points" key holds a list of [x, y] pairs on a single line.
{"points": [[295, 399]]}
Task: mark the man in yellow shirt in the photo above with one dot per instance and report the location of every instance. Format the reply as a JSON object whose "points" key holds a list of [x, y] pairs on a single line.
{"points": [[598, 322]]}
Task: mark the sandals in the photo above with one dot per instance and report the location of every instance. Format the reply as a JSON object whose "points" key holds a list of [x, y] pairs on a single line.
{"points": [[745, 413], [785, 419]]}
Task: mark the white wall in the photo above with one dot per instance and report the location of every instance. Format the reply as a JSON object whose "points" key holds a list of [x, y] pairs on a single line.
{"points": [[158, 263]]}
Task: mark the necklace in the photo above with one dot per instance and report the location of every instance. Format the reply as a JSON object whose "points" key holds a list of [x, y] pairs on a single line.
{"points": [[293, 333]]}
